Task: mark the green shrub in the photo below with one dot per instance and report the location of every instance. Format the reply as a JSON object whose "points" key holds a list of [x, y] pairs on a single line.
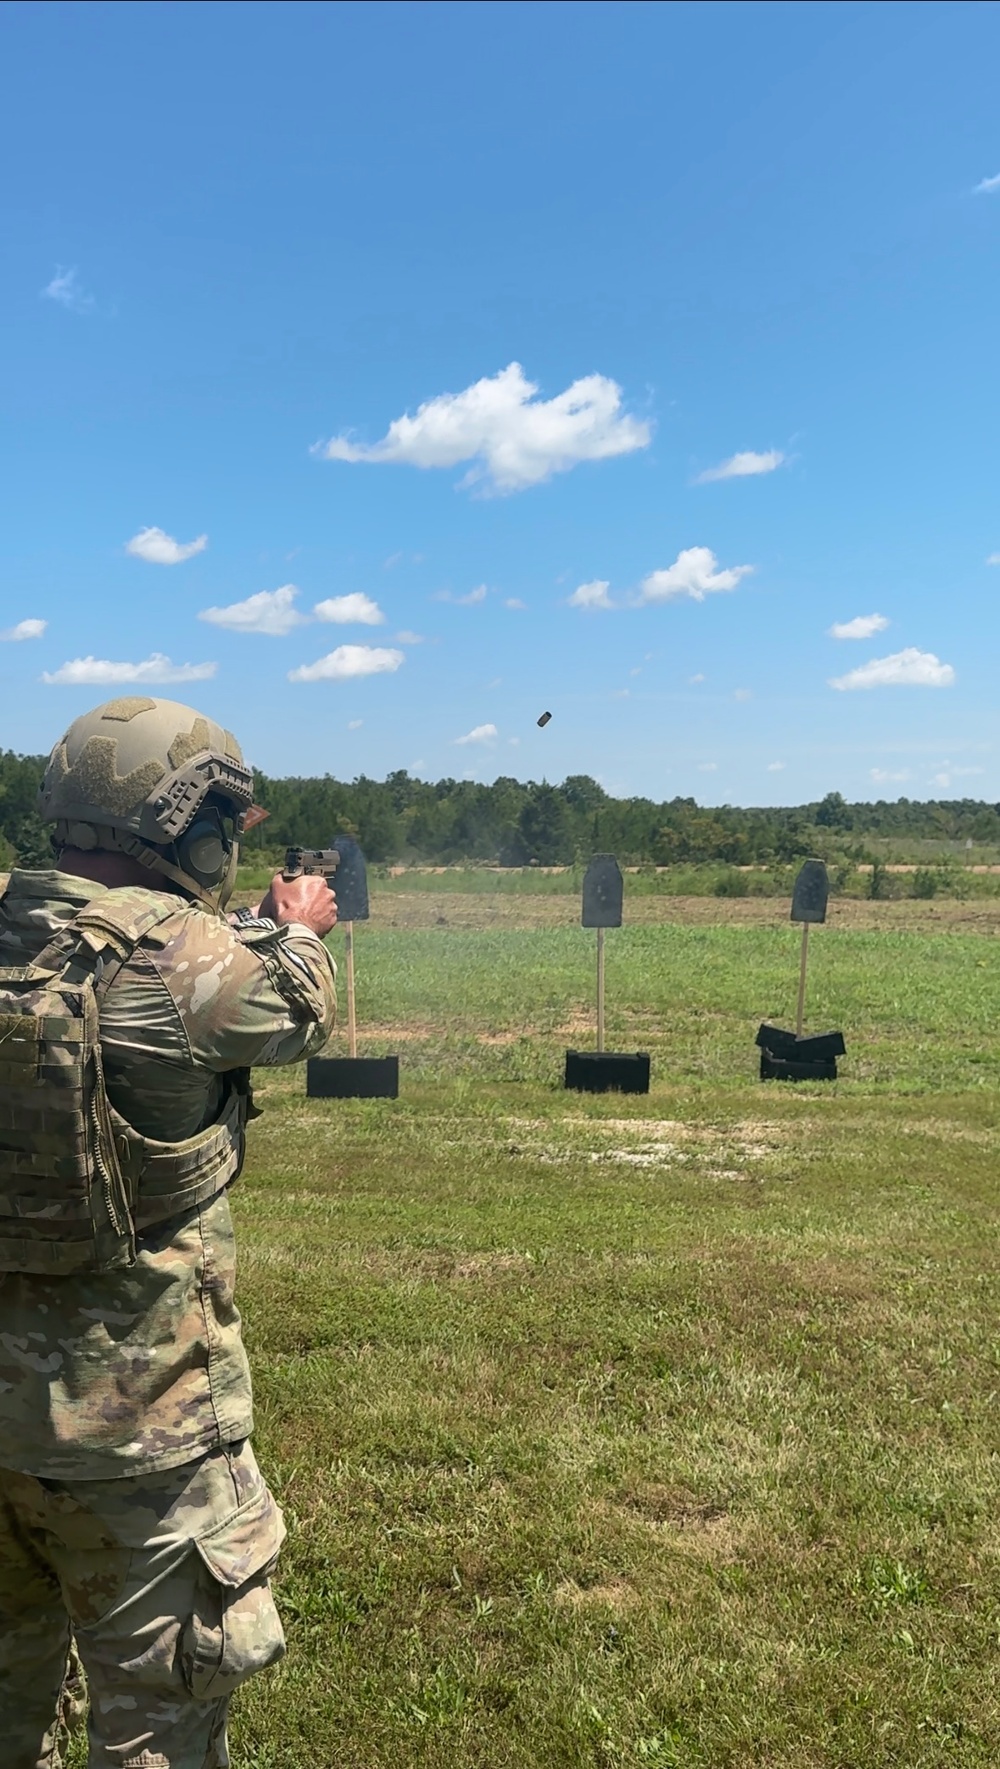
{"points": [[732, 884]]}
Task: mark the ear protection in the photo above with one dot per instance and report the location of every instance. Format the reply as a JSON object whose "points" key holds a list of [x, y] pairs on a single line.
{"points": [[203, 851]]}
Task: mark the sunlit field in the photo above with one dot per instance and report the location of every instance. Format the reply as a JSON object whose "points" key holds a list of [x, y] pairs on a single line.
{"points": [[632, 1430]]}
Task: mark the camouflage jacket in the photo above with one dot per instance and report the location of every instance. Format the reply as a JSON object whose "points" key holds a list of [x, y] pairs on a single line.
{"points": [[116, 1373]]}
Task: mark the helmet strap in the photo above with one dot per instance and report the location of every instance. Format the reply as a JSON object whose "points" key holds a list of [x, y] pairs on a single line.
{"points": [[156, 862]]}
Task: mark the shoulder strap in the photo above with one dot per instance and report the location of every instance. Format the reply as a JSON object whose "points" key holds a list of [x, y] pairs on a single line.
{"points": [[119, 920]]}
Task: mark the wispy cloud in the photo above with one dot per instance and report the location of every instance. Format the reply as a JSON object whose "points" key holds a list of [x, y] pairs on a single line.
{"points": [[355, 724], [694, 573], [513, 439], [745, 465], [863, 626], [592, 595], [25, 629], [357, 609], [472, 600], [65, 289], [775, 767], [408, 638], [994, 559], [479, 734], [904, 669], [694, 680], [348, 662], [514, 602], [949, 773], [742, 693], [92, 671], [884, 776], [708, 767], [988, 186], [270, 611], [158, 548]]}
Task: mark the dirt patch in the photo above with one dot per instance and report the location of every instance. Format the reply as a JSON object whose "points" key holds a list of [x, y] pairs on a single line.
{"points": [[672, 1507], [688, 1524], [472, 911]]}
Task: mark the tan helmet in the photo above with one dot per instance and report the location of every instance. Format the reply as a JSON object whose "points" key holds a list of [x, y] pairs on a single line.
{"points": [[155, 780]]}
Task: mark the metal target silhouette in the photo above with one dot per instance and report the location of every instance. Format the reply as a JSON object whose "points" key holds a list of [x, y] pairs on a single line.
{"points": [[601, 908], [789, 1055], [352, 1077]]}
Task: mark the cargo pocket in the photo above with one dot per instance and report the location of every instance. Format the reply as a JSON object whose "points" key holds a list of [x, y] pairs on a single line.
{"points": [[235, 1629]]}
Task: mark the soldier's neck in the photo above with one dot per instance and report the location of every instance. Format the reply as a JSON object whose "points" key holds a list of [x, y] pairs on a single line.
{"points": [[113, 870]]}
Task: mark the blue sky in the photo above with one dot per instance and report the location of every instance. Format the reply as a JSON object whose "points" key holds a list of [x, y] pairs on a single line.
{"points": [[588, 358]]}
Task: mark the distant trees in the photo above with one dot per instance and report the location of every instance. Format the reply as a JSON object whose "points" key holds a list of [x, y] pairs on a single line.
{"points": [[23, 835], [515, 823]]}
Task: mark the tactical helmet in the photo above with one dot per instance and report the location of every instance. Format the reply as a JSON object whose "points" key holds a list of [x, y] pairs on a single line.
{"points": [[155, 780]]}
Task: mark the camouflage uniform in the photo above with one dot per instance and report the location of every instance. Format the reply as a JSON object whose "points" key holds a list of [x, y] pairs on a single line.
{"points": [[130, 1504]]}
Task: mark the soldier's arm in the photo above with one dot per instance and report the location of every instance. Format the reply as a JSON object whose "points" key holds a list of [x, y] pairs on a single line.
{"points": [[254, 993]]}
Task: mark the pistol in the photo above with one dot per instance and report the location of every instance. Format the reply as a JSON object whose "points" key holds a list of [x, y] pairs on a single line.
{"points": [[311, 863]]}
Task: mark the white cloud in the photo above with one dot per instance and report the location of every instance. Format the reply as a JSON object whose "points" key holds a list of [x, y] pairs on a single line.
{"points": [[742, 693], [949, 773], [708, 767], [408, 638], [355, 724], [742, 466], [775, 767], [269, 611], [161, 549], [514, 439], [472, 600], [514, 602], [694, 680], [994, 559], [347, 662], [861, 627], [66, 290], [157, 668], [479, 734], [904, 669], [355, 609], [882, 776], [25, 629], [987, 186], [592, 595], [694, 573]]}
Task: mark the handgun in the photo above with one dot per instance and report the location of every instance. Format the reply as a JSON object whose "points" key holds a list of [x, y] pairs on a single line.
{"points": [[311, 863]]}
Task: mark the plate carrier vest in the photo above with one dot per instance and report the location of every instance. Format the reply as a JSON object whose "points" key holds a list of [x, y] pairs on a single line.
{"points": [[77, 1183]]}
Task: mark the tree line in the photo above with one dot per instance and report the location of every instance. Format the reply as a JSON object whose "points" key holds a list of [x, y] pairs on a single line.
{"points": [[519, 823]]}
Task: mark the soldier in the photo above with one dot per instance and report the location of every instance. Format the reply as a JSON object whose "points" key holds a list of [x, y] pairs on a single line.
{"points": [[134, 1519]]}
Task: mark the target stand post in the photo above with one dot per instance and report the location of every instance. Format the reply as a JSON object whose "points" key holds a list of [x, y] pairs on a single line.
{"points": [[791, 1056], [353, 1076], [602, 1071]]}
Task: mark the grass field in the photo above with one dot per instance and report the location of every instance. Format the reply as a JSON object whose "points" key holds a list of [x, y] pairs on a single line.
{"points": [[627, 1431]]}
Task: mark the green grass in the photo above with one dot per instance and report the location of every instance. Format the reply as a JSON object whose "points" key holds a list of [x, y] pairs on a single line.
{"points": [[622, 1432]]}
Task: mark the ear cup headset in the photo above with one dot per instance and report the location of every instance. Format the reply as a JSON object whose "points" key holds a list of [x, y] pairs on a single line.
{"points": [[205, 849]]}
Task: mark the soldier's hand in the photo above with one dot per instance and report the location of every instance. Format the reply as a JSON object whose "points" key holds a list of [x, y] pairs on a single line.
{"points": [[308, 899]]}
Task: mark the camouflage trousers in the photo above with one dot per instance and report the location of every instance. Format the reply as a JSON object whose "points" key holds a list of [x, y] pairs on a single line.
{"points": [[162, 1581]]}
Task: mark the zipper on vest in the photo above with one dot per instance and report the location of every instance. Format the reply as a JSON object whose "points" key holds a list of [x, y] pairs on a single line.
{"points": [[99, 1163]]}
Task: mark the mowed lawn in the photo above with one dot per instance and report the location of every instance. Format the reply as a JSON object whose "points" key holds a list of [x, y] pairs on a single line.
{"points": [[636, 1430]]}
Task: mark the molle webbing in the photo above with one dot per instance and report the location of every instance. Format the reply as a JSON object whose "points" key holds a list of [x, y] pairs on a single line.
{"points": [[76, 1181]]}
